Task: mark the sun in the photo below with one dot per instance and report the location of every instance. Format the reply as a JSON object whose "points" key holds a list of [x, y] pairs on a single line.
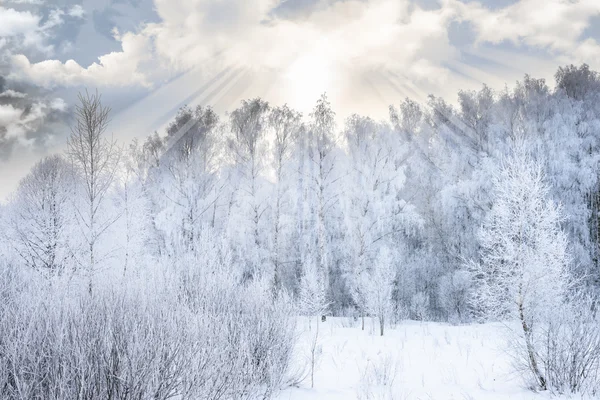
{"points": [[307, 77]]}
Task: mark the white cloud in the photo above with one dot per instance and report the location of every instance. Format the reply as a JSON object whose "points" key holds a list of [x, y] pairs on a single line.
{"points": [[113, 69], [13, 94], [21, 30], [210, 35], [9, 116], [77, 11], [13, 23], [58, 104], [556, 25], [340, 41]]}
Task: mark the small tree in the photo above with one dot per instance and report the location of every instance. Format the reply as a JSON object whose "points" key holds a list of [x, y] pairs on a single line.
{"points": [[374, 288], [312, 300], [523, 272]]}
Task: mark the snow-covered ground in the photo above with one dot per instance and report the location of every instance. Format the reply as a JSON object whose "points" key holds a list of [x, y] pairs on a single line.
{"points": [[412, 361]]}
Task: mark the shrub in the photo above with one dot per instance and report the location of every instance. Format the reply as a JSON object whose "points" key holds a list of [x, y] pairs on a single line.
{"points": [[145, 339]]}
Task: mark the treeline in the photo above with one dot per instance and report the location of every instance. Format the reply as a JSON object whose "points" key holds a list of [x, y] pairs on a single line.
{"points": [[296, 195]]}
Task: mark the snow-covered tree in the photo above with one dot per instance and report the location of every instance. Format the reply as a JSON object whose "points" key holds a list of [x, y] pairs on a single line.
{"points": [[286, 126], [373, 288], [188, 176], [41, 216], [323, 177], [523, 273], [247, 148], [375, 214], [134, 230], [312, 297]]}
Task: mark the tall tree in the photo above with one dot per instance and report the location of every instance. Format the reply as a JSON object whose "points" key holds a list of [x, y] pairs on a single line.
{"points": [[248, 146], [95, 158], [189, 172], [286, 125], [322, 156]]}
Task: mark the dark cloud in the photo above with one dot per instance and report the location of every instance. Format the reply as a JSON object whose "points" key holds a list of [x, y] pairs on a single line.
{"points": [[30, 119]]}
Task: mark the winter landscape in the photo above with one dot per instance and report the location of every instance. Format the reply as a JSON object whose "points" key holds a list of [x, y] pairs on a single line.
{"points": [[237, 218]]}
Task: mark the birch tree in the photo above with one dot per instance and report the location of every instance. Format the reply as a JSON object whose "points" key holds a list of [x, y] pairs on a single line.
{"points": [[523, 273], [95, 158]]}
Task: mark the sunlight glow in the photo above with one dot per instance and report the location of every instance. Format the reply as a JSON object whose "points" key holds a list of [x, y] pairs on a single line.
{"points": [[307, 78]]}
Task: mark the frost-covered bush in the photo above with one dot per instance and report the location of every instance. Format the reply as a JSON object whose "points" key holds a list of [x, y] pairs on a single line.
{"points": [[141, 339], [567, 349], [570, 348], [378, 379]]}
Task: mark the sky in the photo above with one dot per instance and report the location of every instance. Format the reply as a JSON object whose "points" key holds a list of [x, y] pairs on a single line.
{"points": [[149, 57]]}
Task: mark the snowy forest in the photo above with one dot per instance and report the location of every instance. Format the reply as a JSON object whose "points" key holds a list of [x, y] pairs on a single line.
{"points": [[183, 265]]}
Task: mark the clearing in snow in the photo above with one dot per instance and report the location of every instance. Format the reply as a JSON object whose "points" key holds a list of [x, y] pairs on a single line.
{"points": [[413, 361]]}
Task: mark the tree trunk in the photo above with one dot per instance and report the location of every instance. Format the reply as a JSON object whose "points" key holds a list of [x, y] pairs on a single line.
{"points": [[362, 316], [530, 349]]}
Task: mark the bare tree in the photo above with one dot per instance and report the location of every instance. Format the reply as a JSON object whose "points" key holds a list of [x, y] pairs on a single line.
{"points": [[95, 158]]}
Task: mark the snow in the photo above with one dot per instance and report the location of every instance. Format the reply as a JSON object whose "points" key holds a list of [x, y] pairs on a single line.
{"points": [[421, 360]]}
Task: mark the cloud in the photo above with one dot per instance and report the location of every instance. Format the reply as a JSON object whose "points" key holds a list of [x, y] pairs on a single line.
{"points": [[113, 69], [22, 30], [28, 119], [13, 94], [341, 42], [554, 25], [13, 23], [76, 11], [212, 35], [30, 2]]}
